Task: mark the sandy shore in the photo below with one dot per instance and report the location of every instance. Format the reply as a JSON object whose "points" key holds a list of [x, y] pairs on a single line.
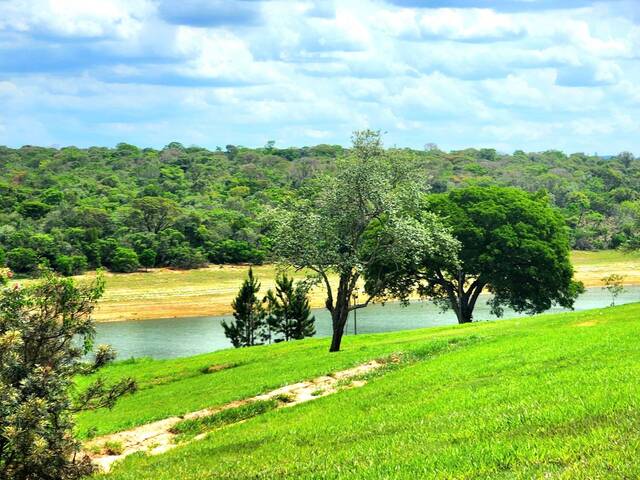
{"points": [[164, 293]]}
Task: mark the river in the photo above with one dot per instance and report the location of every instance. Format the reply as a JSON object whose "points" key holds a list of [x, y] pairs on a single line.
{"points": [[180, 337]]}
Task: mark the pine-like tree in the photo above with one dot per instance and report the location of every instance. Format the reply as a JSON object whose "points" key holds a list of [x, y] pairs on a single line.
{"points": [[46, 330], [289, 310], [249, 326]]}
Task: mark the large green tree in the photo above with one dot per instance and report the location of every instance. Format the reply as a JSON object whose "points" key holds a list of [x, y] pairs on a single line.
{"points": [[513, 244], [351, 220]]}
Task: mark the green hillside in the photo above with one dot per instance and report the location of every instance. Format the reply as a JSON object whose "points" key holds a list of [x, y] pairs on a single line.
{"points": [[182, 207], [552, 396]]}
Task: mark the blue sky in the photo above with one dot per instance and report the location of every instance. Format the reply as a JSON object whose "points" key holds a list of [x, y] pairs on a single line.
{"points": [[512, 74]]}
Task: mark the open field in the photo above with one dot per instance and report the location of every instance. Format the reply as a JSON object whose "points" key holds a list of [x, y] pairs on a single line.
{"points": [[164, 293], [551, 396]]}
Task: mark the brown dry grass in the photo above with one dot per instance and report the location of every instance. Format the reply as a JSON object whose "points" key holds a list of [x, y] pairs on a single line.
{"points": [[164, 293]]}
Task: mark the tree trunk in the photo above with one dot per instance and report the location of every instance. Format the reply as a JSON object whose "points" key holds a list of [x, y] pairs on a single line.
{"points": [[340, 311], [339, 319], [464, 314]]}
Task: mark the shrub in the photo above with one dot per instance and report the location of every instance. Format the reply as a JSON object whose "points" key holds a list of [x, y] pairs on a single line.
{"points": [[69, 265], [124, 260], [186, 257], [22, 260], [33, 209], [148, 258]]}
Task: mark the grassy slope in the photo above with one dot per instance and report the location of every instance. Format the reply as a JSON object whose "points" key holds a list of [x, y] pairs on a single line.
{"points": [[553, 396], [163, 293]]}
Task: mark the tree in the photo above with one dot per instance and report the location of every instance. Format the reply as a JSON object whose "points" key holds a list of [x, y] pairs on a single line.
{"points": [[45, 331], [33, 209], [351, 220], [155, 213], [147, 258], [613, 284], [249, 326], [22, 260], [69, 265], [124, 260], [513, 244], [289, 312]]}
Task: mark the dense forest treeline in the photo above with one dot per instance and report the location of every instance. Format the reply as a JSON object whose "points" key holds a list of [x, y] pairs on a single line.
{"points": [[126, 207]]}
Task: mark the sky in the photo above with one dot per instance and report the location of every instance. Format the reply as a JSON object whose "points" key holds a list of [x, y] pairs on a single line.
{"points": [[511, 74]]}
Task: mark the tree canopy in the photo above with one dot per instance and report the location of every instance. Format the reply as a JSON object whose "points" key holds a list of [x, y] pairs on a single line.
{"points": [[512, 243], [356, 217], [189, 205]]}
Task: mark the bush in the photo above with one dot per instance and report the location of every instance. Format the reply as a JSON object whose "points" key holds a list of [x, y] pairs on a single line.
{"points": [[33, 209], [3, 258], [186, 257], [124, 260], [22, 260], [148, 258], [69, 265], [234, 251]]}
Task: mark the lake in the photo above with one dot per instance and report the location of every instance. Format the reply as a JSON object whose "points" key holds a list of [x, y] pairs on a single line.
{"points": [[180, 337]]}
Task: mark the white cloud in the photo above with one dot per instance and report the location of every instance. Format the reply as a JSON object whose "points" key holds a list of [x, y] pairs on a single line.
{"points": [[76, 18], [104, 71]]}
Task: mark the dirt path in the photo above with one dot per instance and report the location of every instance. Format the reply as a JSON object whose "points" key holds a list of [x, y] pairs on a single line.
{"points": [[157, 437]]}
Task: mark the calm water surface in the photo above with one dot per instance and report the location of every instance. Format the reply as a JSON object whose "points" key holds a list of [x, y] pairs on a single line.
{"points": [[180, 337]]}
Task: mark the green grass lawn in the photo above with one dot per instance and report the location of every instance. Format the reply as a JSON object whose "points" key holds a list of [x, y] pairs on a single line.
{"points": [[553, 396]]}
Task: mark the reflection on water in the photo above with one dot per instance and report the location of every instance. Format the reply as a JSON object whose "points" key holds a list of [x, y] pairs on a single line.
{"points": [[168, 338]]}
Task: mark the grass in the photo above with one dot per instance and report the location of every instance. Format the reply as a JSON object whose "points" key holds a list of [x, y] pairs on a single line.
{"points": [[187, 429], [552, 396], [164, 293], [255, 370]]}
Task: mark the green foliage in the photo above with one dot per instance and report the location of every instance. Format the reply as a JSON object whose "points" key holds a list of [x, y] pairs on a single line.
{"points": [[512, 243], [45, 330], [22, 260], [186, 257], [91, 201], [124, 260], [71, 264], [33, 209], [614, 285], [147, 258], [187, 429], [289, 313], [354, 217], [249, 327]]}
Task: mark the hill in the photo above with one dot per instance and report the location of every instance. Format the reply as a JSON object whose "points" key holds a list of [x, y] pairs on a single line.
{"points": [[182, 207], [551, 396]]}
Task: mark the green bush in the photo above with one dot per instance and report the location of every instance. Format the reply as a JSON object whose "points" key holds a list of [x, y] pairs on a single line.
{"points": [[186, 257], [124, 260], [71, 264], [22, 260], [33, 209]]}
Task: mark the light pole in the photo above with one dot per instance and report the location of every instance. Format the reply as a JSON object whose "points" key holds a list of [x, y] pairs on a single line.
{"points": [[355, 313]]}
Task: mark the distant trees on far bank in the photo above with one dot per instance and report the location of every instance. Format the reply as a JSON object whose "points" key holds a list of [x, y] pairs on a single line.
{"points": [[71, 209]]}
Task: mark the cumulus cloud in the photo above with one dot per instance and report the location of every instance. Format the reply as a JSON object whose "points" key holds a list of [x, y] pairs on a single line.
{"points": [[507, 74]]}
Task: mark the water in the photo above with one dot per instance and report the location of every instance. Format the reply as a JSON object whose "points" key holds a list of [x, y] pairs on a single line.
{"points": [[169, 338]]}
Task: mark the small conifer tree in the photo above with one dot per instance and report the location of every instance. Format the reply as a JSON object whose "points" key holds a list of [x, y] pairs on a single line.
{"points": [[289, 310], [249, 326]]}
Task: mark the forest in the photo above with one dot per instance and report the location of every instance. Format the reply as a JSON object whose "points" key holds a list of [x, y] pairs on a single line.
{"points": [[127, 208]]}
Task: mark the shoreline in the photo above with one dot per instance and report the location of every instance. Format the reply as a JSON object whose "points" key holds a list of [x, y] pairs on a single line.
{"points": [[163, 293]]}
